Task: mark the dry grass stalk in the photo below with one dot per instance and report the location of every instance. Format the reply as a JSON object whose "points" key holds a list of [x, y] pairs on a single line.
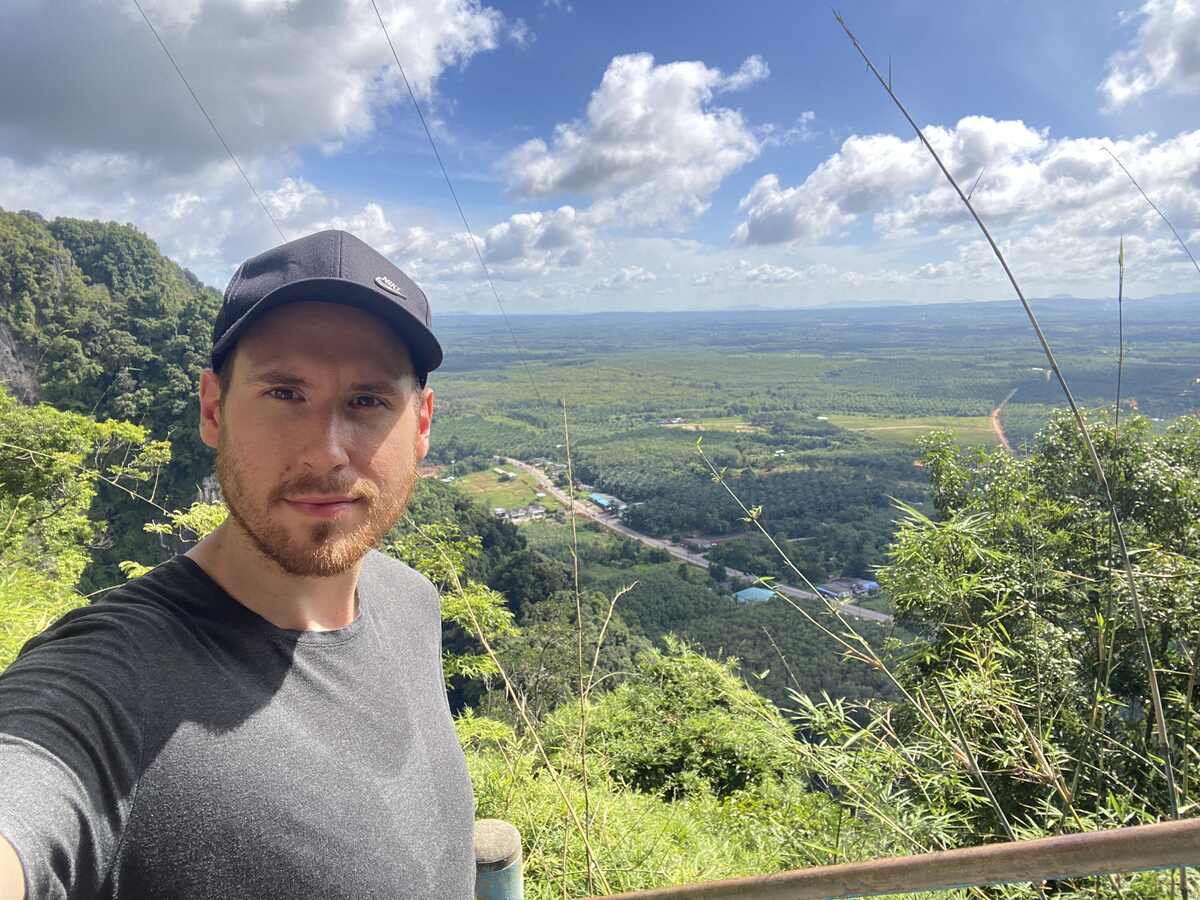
{"points": [[1160, 721], [1120, 337], [1154, 207], [520, 705], [583, 689]]}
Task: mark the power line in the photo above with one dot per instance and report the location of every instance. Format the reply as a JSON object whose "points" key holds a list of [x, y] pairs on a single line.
{"points": [[211, 123], [454, 194]]}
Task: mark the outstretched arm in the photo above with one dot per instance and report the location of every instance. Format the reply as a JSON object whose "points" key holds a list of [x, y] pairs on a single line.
{"points": [[12, 879]]}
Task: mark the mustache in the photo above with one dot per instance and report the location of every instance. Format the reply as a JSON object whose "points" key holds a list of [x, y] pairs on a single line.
{"points": [[313, 484]]}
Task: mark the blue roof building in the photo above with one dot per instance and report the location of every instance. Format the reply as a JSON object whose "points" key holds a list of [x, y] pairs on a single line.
{"points": [[754, 595]]}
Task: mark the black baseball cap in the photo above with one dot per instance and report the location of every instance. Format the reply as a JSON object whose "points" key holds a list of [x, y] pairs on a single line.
{"points": [[332, 267]]}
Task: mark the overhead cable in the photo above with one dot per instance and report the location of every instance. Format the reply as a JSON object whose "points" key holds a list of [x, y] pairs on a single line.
{"points": [[454, 194], [211, 123]]}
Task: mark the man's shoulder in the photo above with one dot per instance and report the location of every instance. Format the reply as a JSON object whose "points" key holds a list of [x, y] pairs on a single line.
{"points": [[398, 589], [391, 573], [139, 612]]}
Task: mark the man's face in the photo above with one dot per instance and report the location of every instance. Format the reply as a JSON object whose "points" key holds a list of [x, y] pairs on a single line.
{"points": [[318, 435]]}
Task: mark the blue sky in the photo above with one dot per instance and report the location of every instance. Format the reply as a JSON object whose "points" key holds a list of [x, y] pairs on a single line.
{"points": [[626, 155]]}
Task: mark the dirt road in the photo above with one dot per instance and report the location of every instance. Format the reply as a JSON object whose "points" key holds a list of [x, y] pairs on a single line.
{"points": [[997, 428], [612, 523]]}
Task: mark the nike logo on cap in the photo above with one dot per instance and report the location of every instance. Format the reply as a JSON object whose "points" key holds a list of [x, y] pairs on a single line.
{"points": [[390, 286]]}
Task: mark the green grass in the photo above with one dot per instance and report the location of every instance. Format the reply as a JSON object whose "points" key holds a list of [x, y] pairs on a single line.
{"points": [[967, 429], [488, 489]]}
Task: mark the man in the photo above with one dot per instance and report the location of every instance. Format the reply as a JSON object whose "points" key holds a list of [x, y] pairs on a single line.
{"points": [[263, 716]]}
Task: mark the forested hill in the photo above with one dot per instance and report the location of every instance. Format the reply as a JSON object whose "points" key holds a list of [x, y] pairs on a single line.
{"points": [[1018, 694], [94, 319]]}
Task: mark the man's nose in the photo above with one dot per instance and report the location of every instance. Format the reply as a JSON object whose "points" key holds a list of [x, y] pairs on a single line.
{"points": [[327, 441]]}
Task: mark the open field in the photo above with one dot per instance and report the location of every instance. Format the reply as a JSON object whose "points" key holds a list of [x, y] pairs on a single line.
{"points": [[966, 429], [736, 424], [812, 414], [488, 489]]}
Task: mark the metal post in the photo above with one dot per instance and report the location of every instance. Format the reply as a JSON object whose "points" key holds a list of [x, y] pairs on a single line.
{"points": [[497, 861]]}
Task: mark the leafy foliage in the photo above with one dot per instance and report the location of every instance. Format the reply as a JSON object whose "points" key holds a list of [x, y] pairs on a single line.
{"points": [[705, 808], [107, 326], [684, 724], [1026, 701], [51, 464], [440, 552]]}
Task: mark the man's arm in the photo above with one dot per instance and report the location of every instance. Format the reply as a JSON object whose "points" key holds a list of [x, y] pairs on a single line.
{"points": [[12, 879], [70, 752]]}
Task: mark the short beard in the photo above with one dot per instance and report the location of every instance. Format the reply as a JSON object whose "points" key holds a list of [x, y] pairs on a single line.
{"points": [[326, 552]]}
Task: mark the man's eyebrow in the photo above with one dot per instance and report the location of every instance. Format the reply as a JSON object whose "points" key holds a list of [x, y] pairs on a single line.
{"points": [[376, 387], [279, 377]]}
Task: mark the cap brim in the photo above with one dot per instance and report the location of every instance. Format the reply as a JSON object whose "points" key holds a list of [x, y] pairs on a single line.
{"points": [[423, 347]]}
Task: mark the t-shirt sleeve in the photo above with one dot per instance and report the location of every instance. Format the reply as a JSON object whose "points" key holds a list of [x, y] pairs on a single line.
{"points": [[70, 751]]}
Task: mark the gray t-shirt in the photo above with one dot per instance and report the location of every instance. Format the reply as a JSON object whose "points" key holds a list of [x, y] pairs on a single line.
{"points": [[168, 742]]}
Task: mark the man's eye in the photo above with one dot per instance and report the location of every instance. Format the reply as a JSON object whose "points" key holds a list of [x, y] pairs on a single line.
{"points": [[366, 401], [282, 393]]}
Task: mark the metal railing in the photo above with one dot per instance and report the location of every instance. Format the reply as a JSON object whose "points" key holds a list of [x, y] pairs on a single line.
{"points": [[1167, 845]]}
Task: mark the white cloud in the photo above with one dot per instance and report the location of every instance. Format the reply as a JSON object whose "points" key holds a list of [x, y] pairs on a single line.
{"points": [[651, 149], [97, 124], [540, 240], [752, 70], [766, 273], [881, 172], [273, 74], [625, 277], [523, 247], [799, 132], [1164, 54], [1060, 201]]}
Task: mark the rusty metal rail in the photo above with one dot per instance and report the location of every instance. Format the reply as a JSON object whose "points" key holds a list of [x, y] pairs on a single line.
{"points": [[1167, 845]]}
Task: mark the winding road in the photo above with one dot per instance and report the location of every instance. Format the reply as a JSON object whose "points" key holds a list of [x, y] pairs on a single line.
{"points": [[612, 523]]}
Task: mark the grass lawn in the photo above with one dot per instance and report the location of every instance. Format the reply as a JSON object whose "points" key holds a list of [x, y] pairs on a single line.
{"points": [[879, 602], [967, 429], [487, 488]]}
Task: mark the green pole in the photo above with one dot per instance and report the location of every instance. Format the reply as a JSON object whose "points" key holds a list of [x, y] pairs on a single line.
{"points": [[497, 861]]}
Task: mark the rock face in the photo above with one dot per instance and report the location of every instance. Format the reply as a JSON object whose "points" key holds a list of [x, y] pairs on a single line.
{"points": [[16, 369], [210, 490]]}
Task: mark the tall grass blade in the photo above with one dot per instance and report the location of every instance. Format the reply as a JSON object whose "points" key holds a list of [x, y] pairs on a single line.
{"points": [[583, 687], [1120, 336], [1154, 207], [522, 711], [973, 763], [1160, 721]]}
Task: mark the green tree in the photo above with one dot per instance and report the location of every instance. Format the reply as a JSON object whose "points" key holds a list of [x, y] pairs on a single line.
{"points": [[1026, 694], [107, 326], [440, 552], [684, 724], [51, 463]]}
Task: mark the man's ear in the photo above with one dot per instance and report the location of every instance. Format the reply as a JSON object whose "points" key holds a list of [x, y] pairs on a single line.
{"points": [[424, 421], [210, 407]]}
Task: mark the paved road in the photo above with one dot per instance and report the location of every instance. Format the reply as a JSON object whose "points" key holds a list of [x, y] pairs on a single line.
{"points": [[612, 523]]}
